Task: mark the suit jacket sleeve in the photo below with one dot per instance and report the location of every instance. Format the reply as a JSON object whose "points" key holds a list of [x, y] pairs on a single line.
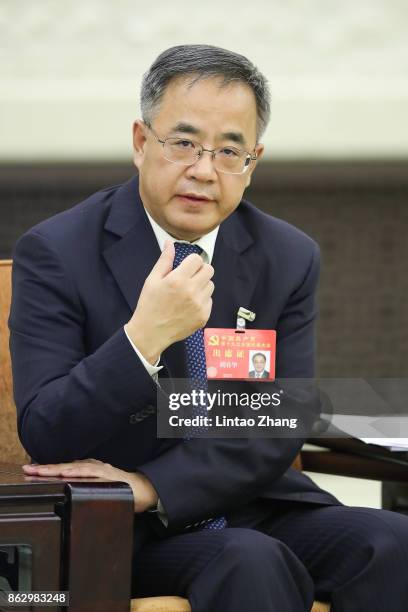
{"points": [[68, 402], [205, 477]]}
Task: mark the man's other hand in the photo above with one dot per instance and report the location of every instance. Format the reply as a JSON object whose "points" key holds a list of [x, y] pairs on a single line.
{"points": [[173, 304], [144, 494]]}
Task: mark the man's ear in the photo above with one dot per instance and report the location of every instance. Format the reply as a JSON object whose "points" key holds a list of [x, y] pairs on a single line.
{"points": [[259, 149], [139, 141]]}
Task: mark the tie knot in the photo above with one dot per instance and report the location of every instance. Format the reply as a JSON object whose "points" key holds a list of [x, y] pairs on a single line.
{"points": [[183, 249]]}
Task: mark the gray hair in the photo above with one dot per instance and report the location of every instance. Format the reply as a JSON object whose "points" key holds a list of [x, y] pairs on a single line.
{"points": [[201, 62]]}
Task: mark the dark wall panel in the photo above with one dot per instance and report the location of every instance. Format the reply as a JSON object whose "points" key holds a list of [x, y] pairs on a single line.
{"points": [[357, 212]]}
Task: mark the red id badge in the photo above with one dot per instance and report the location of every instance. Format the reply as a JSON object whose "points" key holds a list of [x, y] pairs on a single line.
{"points": [[240, 355]]}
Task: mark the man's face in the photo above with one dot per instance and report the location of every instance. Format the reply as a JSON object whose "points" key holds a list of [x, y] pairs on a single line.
{"points": [[259, 363], [215, 117]]}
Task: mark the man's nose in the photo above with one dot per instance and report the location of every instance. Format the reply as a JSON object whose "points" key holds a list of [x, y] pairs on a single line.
{"points": [[203, 169]]}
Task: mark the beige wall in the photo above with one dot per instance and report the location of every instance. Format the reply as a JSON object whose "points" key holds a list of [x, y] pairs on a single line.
{"points": [[70, 71]]}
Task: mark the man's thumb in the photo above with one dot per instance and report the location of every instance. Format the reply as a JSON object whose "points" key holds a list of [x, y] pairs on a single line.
{"points": [[164, 264]]}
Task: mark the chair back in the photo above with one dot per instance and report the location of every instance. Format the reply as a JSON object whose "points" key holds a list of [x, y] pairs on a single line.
{"points": [[11, 450]]}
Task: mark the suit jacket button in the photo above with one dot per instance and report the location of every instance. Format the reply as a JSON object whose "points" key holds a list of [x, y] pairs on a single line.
{"points": [[133, 419]]}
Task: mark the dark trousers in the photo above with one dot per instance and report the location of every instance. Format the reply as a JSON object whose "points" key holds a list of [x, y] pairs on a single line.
{"points": [[281, 560]]}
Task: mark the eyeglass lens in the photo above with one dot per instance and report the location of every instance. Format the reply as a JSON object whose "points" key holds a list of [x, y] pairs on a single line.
{"points": [[226, 159]]}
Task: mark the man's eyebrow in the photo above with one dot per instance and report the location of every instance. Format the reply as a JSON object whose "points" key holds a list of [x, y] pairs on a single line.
{"points": [[187, 128], [234, 136]]}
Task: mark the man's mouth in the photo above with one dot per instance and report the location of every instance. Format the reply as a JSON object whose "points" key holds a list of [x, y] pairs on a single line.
{"points": [[194, 197]]}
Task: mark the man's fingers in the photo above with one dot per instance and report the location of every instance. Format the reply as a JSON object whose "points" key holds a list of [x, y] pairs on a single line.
{"points": [[164, 264], [188, 267], [206, 298], [204, 274], [207, 291], [202, 277], [54, 469], [86, 470], [43, 470], [35, 466], [50, 467]]}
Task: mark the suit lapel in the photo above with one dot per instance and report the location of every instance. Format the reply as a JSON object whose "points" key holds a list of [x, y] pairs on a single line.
{"points": [[234, 263], [131, 258]]}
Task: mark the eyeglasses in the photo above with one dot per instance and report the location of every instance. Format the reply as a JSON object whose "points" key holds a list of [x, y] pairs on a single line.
{"points": [[228, 160]]}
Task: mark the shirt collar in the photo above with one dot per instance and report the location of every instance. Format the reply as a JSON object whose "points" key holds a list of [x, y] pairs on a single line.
{"points": [[206, 242]]}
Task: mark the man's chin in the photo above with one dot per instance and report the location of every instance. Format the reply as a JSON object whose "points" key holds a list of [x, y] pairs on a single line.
{"points": [[189, 227]]}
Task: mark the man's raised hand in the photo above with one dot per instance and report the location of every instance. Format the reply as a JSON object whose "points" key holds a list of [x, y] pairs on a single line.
{"points": [[173, 304]]}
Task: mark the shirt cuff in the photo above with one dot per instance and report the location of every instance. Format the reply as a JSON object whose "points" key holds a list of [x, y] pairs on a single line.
{"points": [[161, 514], [152, 369]]}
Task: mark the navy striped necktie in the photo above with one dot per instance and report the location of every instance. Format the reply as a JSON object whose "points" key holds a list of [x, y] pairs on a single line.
{"points": [[196, 366]]}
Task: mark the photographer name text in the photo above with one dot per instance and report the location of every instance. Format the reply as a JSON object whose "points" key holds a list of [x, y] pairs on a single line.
{"points": [[261, 420]]}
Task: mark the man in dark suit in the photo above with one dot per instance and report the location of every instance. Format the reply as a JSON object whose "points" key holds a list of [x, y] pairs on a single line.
{"points": [[259, 363], [104, 303]]}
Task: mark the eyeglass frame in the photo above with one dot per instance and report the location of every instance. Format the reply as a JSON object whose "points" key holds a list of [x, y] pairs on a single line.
{"points": [[249, 157]]}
